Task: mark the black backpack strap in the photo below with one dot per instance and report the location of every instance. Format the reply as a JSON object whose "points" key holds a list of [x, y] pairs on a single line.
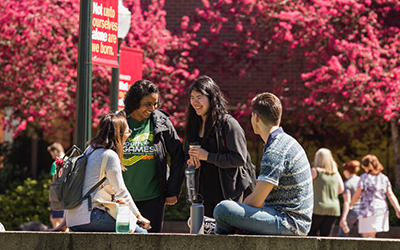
{"points": [[87, 195]]}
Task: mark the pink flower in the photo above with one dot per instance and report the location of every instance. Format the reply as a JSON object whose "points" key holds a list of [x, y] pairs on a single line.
{"points": [[59, 162]]}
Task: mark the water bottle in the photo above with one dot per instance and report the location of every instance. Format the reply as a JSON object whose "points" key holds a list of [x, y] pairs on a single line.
{"points": [[197, 217], [191, 194], [346, 228], [123, 217]]}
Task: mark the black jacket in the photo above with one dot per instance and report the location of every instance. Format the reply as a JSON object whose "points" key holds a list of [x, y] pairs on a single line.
{"points": [[228, 151], [166, 140]]}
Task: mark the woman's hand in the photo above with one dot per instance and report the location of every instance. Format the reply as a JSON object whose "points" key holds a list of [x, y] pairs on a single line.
{"points": [[145, 221], [398, 214], [343, 222], [62, 227], [171, 200], [193, 161], [199, 153]]}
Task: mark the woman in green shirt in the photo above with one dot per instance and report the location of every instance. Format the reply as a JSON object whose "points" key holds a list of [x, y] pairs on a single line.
{"points": [[328, 184], [151, 182]]}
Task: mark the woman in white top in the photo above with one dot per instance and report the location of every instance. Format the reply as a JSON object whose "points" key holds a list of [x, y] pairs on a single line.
{"points": [[373, 188], [112, 134]]}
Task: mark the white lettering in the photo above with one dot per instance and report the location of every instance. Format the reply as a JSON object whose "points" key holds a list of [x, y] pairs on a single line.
{"points": [[99, 36], [97, 9], [123, 85], [125, 77], [121, 102]]}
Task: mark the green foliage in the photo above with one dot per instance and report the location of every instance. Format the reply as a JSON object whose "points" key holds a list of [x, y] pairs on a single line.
{"points": [[15, 169], [393, 220], [27, 202]]}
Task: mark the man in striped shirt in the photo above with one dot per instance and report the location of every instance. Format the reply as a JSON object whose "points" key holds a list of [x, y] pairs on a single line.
{"points": [[282, 201]]}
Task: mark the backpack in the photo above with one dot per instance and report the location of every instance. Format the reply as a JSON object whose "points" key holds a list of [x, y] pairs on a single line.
{"points": [[66, 189]]}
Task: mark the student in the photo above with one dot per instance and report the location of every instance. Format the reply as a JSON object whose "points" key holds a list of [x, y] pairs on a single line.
{"points": [[223, 153], [373, 188], [328, 184], [56, 150], [349, 217], [282, 201], [113, 131], [151, 182]]}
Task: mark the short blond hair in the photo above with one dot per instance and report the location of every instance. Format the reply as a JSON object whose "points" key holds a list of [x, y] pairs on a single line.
{"points": [[324, 162]]}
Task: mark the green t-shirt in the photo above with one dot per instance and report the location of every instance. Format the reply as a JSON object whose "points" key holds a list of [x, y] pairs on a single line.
{"points": [[141, 177], [53, 168], [326, 198]]}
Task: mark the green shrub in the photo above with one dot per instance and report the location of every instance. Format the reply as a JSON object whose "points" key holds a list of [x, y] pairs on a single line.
{"points": [[27, 202], [393, 220]]}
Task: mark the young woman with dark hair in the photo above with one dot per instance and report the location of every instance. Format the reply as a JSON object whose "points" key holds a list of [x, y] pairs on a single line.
{"points": [[373, 188], [151, 182], [223, 153], [113, 132]]}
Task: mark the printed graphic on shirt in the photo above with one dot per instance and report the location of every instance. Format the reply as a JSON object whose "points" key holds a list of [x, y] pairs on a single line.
{"points": [[138, 148]]}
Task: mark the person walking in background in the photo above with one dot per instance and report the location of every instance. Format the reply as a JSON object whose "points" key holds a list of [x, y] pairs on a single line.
{"points": [[223, 153], [110, 138], [328, 184], [349, 217], [282, 201], [151, 182], [373, 188], [56, 150]]}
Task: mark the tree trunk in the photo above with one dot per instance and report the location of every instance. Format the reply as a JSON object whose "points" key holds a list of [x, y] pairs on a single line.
{"points": [[395, 142]]}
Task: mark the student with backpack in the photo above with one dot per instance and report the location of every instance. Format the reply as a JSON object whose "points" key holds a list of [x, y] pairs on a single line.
{"points": [[112, 134], [221, 160]]}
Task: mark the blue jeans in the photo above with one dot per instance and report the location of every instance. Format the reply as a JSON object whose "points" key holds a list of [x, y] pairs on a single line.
{"points": [[232, 217], [101, 221], [351, 221]]}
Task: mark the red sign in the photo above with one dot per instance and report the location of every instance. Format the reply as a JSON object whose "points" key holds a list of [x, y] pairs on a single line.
{"points": [[105, 32], [131, 61]]}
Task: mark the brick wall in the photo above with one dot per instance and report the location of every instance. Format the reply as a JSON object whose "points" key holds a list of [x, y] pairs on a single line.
{"points": [[254, 81]]}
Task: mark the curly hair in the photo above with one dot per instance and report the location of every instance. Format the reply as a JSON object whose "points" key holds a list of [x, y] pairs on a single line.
{"points": [[218, 109], [111, 133], [136, 92], [372, 165]]}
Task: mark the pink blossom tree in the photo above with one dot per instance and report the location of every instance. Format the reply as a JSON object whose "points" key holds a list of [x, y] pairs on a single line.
{"points": [[351, 50], [166, 55], [39, 48]]}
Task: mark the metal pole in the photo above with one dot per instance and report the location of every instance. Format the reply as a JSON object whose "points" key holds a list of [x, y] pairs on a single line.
{"points": [[115, 82], [83, 130]]}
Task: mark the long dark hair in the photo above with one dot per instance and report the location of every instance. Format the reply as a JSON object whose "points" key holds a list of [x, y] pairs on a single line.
{"points": [[110, 134], [218, 109], [136, 92]]}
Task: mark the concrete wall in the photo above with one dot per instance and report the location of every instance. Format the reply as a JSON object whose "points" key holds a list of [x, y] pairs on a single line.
{"points": [[75, 241]]}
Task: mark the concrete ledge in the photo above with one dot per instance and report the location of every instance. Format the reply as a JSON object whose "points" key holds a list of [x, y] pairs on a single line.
{"points": [[16, 240]]}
